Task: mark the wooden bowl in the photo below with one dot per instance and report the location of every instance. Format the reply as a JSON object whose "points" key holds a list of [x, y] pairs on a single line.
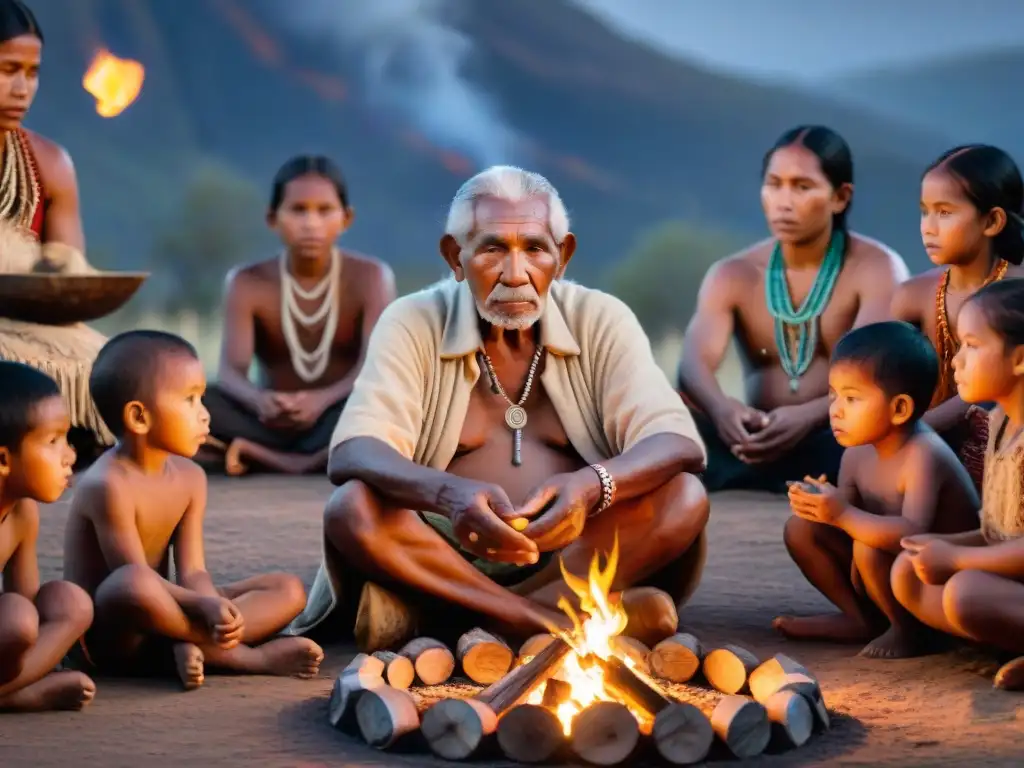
{"points": [[51, 299]]}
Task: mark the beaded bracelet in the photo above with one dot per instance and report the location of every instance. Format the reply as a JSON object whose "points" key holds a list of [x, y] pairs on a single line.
{"points": [[607, 489]]}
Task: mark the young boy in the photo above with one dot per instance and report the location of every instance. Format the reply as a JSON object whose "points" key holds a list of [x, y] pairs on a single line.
{"points": [[897, 478], [38, 625], [144, 499]]}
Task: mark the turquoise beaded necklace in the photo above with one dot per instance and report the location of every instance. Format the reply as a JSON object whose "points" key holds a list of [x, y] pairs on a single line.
{"points": [[800, 325]]}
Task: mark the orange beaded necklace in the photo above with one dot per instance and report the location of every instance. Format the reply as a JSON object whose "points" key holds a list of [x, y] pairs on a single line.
{"points": [[945, 344]]}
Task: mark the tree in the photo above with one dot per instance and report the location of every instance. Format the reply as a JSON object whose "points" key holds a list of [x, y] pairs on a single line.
{"points": [[217, 226], [661, 275]]}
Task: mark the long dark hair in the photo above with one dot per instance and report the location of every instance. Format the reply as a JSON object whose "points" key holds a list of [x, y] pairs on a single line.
{"points": [[990, 179], [1002, 304], [306, 165], [833, 155], [17, 19]]}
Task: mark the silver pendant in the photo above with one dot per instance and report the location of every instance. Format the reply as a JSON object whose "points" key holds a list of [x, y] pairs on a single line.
{"points": [[515, 417], [794, 385]]}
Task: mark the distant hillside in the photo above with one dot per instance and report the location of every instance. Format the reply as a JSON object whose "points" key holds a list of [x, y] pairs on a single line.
{"points": [[629, 136], [967, 99]]}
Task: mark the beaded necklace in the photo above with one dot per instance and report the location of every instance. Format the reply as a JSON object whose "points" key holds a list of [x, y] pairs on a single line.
{"points": [[945, 344], [19, 185], [796, 330]]}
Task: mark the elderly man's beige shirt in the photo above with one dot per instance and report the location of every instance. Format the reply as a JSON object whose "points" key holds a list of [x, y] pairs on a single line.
{"points": [[421, 367]]}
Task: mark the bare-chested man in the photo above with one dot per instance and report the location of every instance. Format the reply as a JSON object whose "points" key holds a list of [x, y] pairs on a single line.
{"points": [[786, 301], [508, 393], [305, 318]]}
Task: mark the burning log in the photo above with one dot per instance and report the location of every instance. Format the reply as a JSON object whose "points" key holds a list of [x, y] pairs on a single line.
{"points": [[677, 659], [455, 729], [362, 674], [430, 658], [556, 693], [605, 733], [483, 657], [531, 733], [397, 670], [742, 725], [770, 676], [385, 715], [533, 646], [652, 614], [629, 648], [727, 668], [791, 718]]}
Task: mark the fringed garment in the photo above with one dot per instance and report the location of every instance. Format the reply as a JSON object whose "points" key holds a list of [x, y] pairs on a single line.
{"points": [[1002, 506], [975, 442], [65, 353]]}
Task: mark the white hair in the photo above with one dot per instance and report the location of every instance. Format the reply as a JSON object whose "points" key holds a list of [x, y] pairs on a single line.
{"points": [[511, 184]]}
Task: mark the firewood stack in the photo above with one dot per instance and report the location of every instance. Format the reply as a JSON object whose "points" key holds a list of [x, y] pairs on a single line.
{"points": [[776, 702]]}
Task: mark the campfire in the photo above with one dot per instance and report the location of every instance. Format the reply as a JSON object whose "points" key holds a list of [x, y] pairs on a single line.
{"points": [[589, 693]]}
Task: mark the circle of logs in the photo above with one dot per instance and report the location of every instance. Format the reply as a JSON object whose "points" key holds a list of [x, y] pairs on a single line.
{"points": [[772, 703]]}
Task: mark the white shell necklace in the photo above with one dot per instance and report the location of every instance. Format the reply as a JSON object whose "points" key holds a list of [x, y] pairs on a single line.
{"points": [[310, 366]]}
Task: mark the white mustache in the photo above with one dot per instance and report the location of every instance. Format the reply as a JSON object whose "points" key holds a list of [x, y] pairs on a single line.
{"points": [[504, 293]]}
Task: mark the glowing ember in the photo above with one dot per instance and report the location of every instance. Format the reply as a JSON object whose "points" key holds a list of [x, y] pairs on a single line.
{"points": [[114, 83], [590, 638]]}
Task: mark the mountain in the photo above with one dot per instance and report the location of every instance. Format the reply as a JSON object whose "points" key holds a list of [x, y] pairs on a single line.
{"points": [[629, 136], [967, 98]]}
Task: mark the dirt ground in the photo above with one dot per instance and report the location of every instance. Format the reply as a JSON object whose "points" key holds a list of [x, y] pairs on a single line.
{"points": [[939, 710]]}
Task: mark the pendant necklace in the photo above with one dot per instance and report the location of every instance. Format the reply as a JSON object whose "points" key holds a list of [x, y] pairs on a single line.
{"points": [[515, 414]]}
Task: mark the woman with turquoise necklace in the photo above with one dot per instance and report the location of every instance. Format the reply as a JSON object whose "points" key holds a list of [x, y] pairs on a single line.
{"points": [[785, 301]]}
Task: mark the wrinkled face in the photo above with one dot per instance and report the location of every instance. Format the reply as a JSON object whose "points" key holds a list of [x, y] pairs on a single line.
{"points": [[985, 369], [40, 467], [311, 218], [859, 411], [19, 78], [952, 229], [509, 260], [176, 421], [797, 198]]}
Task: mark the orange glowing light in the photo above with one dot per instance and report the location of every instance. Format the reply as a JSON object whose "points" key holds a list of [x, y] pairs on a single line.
{"points": [[114, 83]]}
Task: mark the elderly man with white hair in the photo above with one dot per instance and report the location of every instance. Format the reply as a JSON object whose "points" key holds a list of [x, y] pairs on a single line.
{"points": [[503, 418]]}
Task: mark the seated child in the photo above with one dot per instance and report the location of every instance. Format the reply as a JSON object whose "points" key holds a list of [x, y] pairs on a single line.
{"points": [[972, 585], [897, 478], [38, 625], [144, 499]]}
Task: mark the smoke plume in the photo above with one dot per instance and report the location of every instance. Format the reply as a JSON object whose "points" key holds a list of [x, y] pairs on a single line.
{"points": [[412, 62]]}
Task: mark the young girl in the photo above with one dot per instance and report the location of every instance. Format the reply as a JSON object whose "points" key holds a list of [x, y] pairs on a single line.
{"points": [[304, 317], [970, 224], [972, 584]]}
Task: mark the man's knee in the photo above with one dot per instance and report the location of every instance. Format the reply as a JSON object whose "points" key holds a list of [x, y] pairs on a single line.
{"points": [[67, 603], [684, 509], [19, 624], [350, 518]]}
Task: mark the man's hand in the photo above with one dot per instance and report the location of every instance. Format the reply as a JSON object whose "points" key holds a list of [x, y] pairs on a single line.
{"points": [[559, 509], [785, 427], [270, 407], [736, 422], [934, 562], [917, 541], [817, 500], [224, 621], [303, 409], [479, 513]]}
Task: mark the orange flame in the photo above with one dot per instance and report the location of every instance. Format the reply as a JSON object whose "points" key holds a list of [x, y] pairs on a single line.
{"points": [[114, 83], [590, 637]]}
